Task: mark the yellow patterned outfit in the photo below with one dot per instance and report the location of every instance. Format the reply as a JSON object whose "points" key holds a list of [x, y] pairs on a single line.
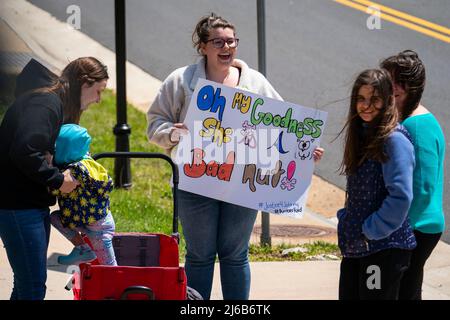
{"points": [[89, 202]]}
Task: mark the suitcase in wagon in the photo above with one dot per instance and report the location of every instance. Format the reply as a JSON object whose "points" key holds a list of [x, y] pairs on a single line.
{"points": [[148, 263]]}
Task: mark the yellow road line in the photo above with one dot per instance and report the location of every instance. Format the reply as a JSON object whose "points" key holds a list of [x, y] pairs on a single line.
{"points": [[398, 21], [406, 16]]}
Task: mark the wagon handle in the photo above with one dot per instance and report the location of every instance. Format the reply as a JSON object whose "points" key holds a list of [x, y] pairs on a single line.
{"points": [[138, 290], [152, 155]]}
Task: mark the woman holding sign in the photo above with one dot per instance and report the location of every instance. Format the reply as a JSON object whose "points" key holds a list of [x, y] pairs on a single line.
{"points": [[210, 227]]}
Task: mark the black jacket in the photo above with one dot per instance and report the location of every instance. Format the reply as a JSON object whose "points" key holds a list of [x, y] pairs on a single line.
{"points": [[28, 132]]}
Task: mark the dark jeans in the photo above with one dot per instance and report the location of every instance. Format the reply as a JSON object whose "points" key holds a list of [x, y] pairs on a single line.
{"points": [[411, 285], [25, 235], [375, 277]]}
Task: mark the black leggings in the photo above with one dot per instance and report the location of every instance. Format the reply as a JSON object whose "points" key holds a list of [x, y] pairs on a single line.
{"points": [[357, 275], [411, 284]]}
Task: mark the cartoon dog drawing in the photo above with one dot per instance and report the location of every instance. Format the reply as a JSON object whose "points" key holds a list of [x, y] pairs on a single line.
{"points": [[303, 149]]}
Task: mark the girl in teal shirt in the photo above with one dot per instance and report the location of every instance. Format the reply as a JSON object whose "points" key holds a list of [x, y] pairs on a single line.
{"points": [[426, 212]]}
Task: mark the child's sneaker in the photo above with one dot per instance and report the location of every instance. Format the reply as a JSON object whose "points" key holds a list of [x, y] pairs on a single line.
{"points": [[77, 256]]}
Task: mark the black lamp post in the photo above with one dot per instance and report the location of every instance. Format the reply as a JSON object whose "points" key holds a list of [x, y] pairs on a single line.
{"points": [[122, 171], [261, 18]]}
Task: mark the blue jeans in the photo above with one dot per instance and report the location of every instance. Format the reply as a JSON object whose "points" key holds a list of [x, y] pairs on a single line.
{"points": [[100, 235], [25, 235], [213, 227]]}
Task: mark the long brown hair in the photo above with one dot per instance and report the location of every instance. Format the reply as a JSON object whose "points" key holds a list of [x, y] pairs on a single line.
{"points": [[408, 71], [68, 86], [359, 145]]}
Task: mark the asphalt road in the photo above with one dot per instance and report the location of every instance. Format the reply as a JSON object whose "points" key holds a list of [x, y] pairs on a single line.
{"points": [[315, 48]]}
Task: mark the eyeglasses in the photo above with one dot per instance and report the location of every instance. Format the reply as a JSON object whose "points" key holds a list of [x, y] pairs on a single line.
{"points": [[219, 43]]}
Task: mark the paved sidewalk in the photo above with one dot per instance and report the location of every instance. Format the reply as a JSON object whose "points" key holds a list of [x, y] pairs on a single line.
{"points": [[312, 280], [32, 32], [270, 280]]}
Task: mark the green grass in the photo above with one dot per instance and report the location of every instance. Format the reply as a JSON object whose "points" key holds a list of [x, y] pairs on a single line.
{"points": [[274, 253]]}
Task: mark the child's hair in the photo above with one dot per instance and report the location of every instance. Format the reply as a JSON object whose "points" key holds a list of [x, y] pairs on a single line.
{"points": [[408, 71], [359, 147], [204, 26]]}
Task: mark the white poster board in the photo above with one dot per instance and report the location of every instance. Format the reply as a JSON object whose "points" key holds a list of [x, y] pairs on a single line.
{"points": [[248, 149]]}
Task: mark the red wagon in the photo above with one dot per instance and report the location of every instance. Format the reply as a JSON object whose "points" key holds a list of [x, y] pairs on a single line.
{"points": [[148, 263]]}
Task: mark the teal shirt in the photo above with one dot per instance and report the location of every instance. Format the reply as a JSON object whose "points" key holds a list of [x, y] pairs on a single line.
{"points": [[426, 212]]}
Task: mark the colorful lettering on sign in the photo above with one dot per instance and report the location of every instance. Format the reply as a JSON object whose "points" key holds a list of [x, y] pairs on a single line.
{"points": [[309, 126], [212, 128], [207, 99], [250, 175], [244, 102], [198, 167]]}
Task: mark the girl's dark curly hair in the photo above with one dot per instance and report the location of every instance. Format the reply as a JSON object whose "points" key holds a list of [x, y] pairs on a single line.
{"points": [[408, 71]]}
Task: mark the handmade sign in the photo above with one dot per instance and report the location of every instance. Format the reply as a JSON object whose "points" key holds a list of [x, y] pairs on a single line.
{"points": [[248, 149]]}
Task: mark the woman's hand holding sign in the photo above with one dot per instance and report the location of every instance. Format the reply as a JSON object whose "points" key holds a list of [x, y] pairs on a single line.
{"points": [[317, 154], [178, 130]]}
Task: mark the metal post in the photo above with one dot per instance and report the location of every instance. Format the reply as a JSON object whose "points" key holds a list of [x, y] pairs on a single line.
{"points": [[266, 240], [122, 171]]}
